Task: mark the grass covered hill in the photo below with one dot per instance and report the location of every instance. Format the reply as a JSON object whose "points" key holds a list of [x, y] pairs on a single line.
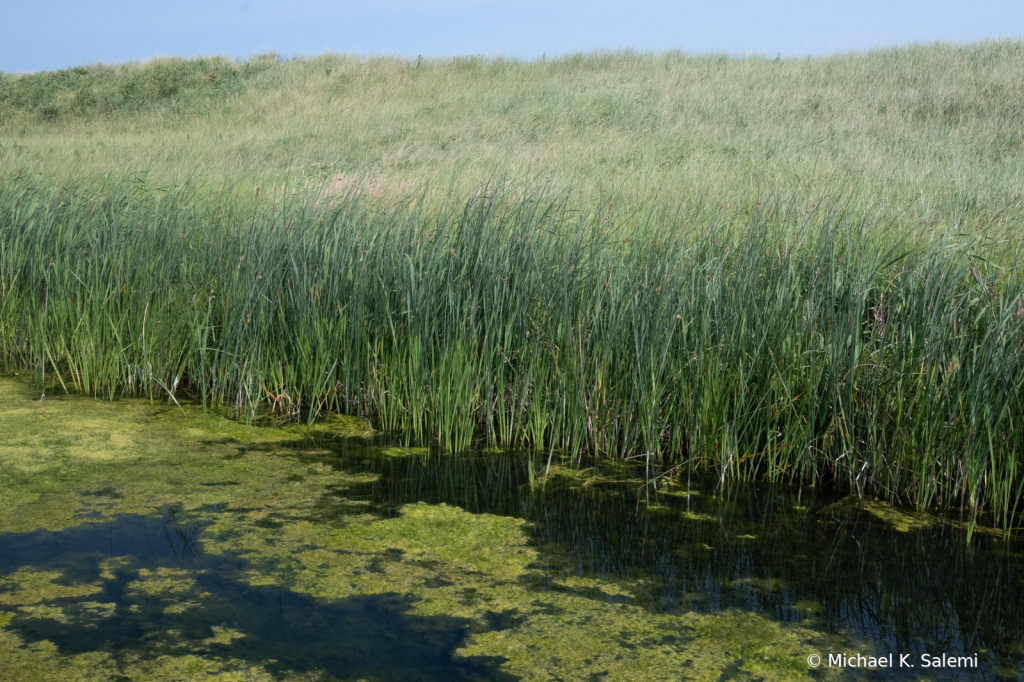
{"points": [[799, 269], [928, 132]]}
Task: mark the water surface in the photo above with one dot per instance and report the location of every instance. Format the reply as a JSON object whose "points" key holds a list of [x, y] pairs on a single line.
{"points": [[214, 551]]}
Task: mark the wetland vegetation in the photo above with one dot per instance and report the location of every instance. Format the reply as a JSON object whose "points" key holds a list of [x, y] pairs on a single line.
{"points": [[610, 365], [798, 346]]}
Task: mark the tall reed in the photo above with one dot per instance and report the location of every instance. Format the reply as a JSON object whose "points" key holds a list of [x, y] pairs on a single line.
{"points": [[799, 346]]}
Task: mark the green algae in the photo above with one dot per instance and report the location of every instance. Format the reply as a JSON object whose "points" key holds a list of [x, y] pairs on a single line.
{"points": [[222, 634], [28, 586], [904, 520], [133, 457], [759, 584], [43, 662], [41, 611], [678, 493], [679, 513], [109, 567], [900, 520], [492, 545], [182, 607], [99, 609], [621, 643], [394, 452], [81, 457], [373, 556], [604, 473], [175, 589], [164, 582], [590, 586], [454, 563], [693, 516]]}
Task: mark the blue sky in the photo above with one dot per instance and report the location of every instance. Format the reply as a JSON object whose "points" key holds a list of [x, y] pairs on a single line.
{"points": [[52, 34]]}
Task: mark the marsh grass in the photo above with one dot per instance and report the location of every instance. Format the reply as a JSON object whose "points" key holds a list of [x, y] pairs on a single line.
{"points": [[802, 345], [930, 133]]}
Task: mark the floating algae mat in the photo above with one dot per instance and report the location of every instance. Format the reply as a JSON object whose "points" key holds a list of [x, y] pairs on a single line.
{"points": [[143, 542]]}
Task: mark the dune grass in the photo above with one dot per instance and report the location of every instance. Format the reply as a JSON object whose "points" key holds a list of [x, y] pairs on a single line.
{"points": [[923, 133]]}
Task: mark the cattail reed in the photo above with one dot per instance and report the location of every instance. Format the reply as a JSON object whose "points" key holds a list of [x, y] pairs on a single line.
{"points": [[796, 346]]}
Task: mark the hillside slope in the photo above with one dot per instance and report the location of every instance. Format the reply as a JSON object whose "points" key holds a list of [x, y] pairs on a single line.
{"points": [[935, 132]]}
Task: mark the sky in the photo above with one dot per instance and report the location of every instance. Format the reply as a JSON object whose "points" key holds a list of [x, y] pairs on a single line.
{"points": [[40, 35]]}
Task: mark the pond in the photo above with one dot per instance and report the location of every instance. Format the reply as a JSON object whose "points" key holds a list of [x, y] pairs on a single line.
{"points": [[140, 541]]}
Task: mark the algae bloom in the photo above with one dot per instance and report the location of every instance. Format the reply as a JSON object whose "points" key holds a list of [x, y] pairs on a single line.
{"points": [[141, 543]]}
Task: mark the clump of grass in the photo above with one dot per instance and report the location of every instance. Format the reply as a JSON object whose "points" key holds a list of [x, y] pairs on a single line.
{"points": [[176, 86], [799, 345]]}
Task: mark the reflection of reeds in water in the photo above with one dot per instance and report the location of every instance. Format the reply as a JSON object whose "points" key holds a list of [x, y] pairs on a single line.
{"points": [[794, 347], [756, 547]]}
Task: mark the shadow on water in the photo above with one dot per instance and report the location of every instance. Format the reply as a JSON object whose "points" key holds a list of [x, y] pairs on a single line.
{"points": [[775, 550], [798, 557], [362, 636]]}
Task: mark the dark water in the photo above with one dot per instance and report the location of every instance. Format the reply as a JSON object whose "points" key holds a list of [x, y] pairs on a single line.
{"points": [[924, 591], [357, 636], [772, 549]]}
